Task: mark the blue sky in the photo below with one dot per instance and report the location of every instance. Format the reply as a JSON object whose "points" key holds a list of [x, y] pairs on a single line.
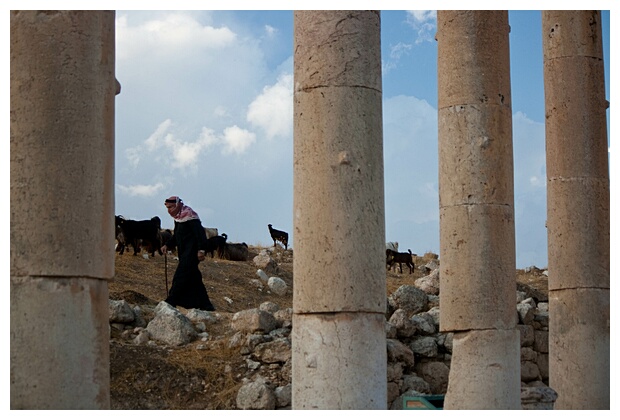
{"points": [[206, 113]]}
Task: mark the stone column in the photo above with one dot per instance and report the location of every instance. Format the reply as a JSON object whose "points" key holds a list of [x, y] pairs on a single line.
{"points": [[62, 207], [476, 204], [577, 209], [339, 298]]}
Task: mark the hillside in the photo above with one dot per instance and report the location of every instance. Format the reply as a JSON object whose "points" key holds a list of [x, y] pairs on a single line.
{"points": [[204, 375]]}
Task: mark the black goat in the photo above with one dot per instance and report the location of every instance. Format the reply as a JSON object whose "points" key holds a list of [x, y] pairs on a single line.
{"points": [[136, 231], [400, 258], [118, 233], [234, 252], [166, 235], [278, 235], [216, 244]]}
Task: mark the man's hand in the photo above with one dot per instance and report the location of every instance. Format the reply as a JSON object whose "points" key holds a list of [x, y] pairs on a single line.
{"points": [[201, 255], [163, 249]]}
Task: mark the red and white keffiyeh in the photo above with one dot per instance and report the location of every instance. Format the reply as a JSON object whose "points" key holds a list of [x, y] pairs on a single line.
{"points": [[180, 212]]}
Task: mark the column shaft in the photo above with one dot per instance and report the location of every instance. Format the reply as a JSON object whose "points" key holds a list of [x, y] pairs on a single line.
{"points": [[578, 217], [62, 207], [476, 199], [339, 349]]}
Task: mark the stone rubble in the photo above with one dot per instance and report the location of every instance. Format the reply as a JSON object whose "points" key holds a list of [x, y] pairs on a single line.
{"points": [[418, 355]]}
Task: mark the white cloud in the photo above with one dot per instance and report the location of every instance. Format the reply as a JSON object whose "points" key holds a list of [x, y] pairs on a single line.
{"points": [[424, 22], [272, 110], [207, 137], [270, 30], [237, 140], [410, 165], [133, 154], [155, 140], [185, 154], [178, 153], [179, 33], [398, 50], [221, 112], [141, 190], [536, 181], [394, 56]]}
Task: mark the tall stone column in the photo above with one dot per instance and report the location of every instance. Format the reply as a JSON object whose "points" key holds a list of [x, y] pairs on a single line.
{"points": [[339, 298], [62, 207], [476, 204], [577, 209]]}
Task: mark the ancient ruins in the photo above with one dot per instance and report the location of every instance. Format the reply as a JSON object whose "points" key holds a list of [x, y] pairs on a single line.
{"points": [[62, 175]]}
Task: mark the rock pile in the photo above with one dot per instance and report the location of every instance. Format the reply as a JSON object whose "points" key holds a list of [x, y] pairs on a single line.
{"points": [[418, 353]]}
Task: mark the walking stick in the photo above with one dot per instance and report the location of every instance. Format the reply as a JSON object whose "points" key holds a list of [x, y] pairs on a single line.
{"points": [[166, 270]]}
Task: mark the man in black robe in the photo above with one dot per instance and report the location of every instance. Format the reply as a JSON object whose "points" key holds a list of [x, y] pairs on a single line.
{"points": [[189, 237]]}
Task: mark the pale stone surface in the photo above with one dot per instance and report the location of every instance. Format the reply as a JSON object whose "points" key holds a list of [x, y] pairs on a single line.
{"points": [[483, 374], [578, 226], [62, 207], [256, 395], [274, 351], [120, 311], [60, 353], [475, 171], [332, 352], [569, 33], [338, 154], [579, 348], [332, 250], [338, 209], [471, 237], [277, 286], [62, 144], [475, 149], [538, 398], [478, 40], [476, 204], [578, 203], [253, 320], [328, 53]]}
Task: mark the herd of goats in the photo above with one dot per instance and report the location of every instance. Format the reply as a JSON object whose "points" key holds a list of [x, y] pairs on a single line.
{"points": [[149, 235]]}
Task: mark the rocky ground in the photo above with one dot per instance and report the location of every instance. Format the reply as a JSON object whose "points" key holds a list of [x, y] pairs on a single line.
{"points": [[205, 375]]}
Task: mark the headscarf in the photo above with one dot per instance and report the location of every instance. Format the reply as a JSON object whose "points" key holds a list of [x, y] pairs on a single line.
{"points": [[180, 212]]}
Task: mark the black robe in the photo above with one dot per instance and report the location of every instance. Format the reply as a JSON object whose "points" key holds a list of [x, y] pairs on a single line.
{"points": [[187, 288]]}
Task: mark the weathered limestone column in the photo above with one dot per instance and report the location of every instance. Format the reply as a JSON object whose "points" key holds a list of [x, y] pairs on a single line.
{"points": [[476, 201], [62, 207], [578, 219], [339, 298]]}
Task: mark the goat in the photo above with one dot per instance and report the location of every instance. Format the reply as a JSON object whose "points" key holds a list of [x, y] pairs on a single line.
{"points": [[234, 252], [392, 245], [401, 258], [211, 232], [278, 235], [216, 244], [166, 235], [136, 232], [120, 238]]}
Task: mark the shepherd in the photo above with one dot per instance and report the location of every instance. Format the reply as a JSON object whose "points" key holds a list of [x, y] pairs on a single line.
{"points": [[189, 237]]}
